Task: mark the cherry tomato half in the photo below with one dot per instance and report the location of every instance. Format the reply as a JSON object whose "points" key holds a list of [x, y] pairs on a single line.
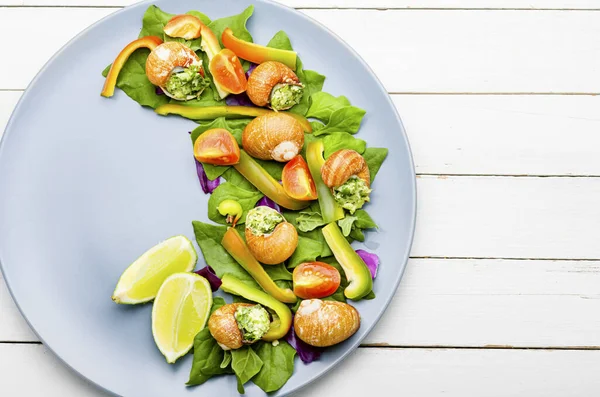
{"points": [[185, 26], [297, 181], [227, 71], [217, 146], [315, 280]]}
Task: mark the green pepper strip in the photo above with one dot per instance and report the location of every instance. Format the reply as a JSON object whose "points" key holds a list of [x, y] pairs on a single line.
{"points": [[231, 112], [264, 182], [360, 282], [330, 210], [280, 325], [237, 248]]}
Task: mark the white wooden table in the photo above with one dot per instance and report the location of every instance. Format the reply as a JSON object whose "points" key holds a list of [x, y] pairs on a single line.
{"points": [[499, 98]]}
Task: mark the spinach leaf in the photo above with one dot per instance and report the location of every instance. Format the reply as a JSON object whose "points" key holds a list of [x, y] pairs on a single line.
{"points": [[342, 140], [322, 104], [346, 224], [217, 303], [227, 190], [346, 119], [375, 157], [237, 23], [309, 220], [245, 364], [274, 168], [207, 360], [312, 81], [278, 272], [307, 251], [209, 239], [233, 176], [226, 359], [153, 22], [364, 220], [278, 365], [316, 125]]}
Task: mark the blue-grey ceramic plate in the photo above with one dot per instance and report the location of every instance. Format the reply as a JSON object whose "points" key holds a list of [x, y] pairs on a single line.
{"points": [[89, 183]]}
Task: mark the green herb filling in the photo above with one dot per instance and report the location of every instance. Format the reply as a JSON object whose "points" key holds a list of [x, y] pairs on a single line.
{"points": [[263, 220], [188, 82], [352, 194], [253, 321], [284, 96]]}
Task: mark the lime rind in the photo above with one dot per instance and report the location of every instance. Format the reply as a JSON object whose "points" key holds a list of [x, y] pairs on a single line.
{"points": [[141, 281]]}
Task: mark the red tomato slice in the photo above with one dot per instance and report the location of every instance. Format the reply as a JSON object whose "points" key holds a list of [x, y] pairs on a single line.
{"points": [[315, 280], [227, 71], [217, 146], [297, 181], [184, 26]]}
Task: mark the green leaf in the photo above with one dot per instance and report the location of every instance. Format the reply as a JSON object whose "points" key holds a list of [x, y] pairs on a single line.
{"points": [[227, 190], [342, 140], [226, 359], [375, 157], [364, 220], [316, 125], [217, 303], [209, 239], [153, 22], [346, 119], [237, 23], [205, 19], [207, 360], [233, 176], [274, 168], [346, 224], [357, 234], [322, 104], [278, 272], [309, 220], [370, 295], [278, 365], [245, 364], [281, 41], [307, 251]]}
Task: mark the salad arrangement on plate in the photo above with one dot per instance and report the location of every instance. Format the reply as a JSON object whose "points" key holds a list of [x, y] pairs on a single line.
{"points": [[288, 182]]}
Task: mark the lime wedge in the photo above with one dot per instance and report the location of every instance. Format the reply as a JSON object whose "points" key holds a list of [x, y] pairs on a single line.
{"points": [[180, 311], [142, 279]]}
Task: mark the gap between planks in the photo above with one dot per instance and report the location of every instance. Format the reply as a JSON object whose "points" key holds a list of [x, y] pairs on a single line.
{"points": [[334, 8]]}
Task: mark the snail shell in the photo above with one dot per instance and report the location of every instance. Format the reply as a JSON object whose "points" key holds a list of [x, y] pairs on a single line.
{"points": [[274, 248], [273, 136], [224, 328], [325, 323], [342, 165], [165, 58], [266, 76]]}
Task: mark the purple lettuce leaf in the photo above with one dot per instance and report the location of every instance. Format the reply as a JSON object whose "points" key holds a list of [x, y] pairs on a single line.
{"points": [[251, 69], [208, 186], [238, 100], [158, 91], [306, 352], [371, 260], [268, 203], [208, 273]]}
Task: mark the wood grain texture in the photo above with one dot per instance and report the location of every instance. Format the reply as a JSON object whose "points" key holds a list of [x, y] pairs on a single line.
{"points": [[476, 52], [466, 303], [487, 134], [381, 4], [411, 372]]}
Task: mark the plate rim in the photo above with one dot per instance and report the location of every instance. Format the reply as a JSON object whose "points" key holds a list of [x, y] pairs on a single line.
{"points": [[413, 187]]}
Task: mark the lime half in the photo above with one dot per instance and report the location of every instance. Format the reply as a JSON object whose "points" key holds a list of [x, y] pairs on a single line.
{"points": [[180, 311], [142, 279]]}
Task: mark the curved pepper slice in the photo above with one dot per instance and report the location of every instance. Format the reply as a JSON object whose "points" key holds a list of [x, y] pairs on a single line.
{"points": [[237, 248], [330, 210], [264, 182], [360, 281], [280, 325], [150, 42], [230, 112], [257, 53]]}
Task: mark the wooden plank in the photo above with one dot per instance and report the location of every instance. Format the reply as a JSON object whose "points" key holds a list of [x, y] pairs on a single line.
{"points": [[474, 303], [472, 134], [380, 4], [426, 372], [476, 52], [507, 217]]}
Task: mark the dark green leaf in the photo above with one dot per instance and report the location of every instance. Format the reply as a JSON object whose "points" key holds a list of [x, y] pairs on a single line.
{"points": [[364, 220], [237, 23], [316, 125], [274, 168], [370, 295], [153, 22], [281, 41], [307, 251], [217, 303], [233, 176], [207, 360], [245, 364], [229, 191], [226, 359], [346, 119], [375, 157], [309, 220], [209, 240], [342, 140], [278, 272], [278, 365], [357, 234], [322, 104]]}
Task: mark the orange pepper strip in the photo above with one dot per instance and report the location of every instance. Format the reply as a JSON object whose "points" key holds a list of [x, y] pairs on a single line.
{"points": [[150, 42]]}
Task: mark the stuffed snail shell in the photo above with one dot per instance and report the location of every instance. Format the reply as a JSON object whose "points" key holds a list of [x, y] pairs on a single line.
{"points": [[273, 136], [274, 84], [270, 238], [177, 70], [237, 324], [325, 323], [346, 172]]}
